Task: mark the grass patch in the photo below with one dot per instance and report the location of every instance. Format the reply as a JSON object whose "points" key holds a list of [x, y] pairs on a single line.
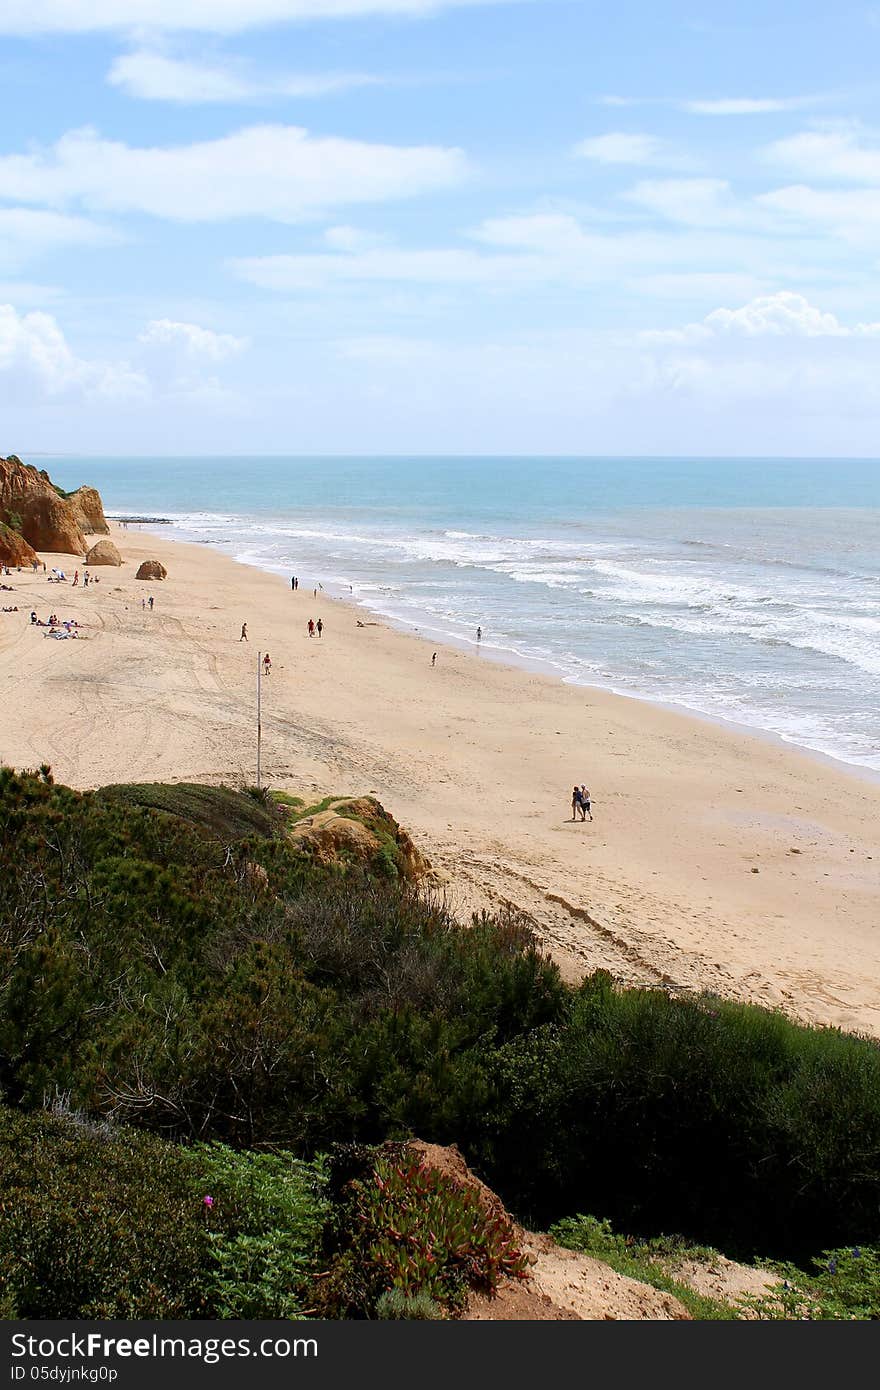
{"points": [[643, 1260], [229, 814]]}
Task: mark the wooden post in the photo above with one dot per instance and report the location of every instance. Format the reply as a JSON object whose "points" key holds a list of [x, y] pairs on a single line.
{"points": [[259, 713]]}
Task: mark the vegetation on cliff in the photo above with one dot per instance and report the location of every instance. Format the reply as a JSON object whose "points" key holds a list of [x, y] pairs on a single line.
{"points": [[42, 514], [175, 959]]}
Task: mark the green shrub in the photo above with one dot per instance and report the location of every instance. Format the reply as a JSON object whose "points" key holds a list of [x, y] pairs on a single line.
{"points": [[405, 1227], [845, 1287], [168, 958], [729, 1124], [265, 1215], [96, 1224], [99, 1222], [396, 1305]]}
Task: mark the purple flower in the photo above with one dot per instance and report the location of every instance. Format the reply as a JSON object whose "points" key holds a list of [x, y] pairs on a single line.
{"points": [[209, 1201], [832, 1266], [857, 1254]]}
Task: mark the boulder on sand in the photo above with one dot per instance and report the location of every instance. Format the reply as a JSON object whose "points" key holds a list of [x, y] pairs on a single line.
{"points": [[104, 553], [151, 569]]}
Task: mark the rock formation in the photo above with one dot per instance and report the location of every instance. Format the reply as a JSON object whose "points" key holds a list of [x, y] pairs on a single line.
{"points": [[359, 830], [151, 569], [14, 549], [89, 511], [40, 512], [104, 553]]}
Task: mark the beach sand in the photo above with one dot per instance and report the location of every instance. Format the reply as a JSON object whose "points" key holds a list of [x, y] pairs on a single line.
{"points": [[717, 860]]}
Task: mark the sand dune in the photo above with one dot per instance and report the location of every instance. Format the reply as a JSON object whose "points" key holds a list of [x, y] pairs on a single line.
{"points": [[716, 860]]}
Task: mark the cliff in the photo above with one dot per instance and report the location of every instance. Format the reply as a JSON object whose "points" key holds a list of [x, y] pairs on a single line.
{"points": [[47, 519], [14, 549], [89, 511]]}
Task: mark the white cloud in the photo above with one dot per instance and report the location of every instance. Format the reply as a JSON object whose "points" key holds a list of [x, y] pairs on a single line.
{"points": [[694, 202], [196, 342], [271, 171], [784, 314], [833, 153], [698, 284], [153, 76], [210, 16], [352, 239], [36, 361], [28, 233], [621, 147], [524, 254], [745, 106], [618, 147], [852, 214]]}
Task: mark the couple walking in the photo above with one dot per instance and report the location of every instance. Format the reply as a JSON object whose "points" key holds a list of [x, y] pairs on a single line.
{"points": [[580, 801]]}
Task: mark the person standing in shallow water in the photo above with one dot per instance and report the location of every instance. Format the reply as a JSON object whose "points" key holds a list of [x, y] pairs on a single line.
{"points": [[479, 634]]}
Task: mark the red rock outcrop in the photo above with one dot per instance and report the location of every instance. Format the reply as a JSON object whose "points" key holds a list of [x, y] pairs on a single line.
{"points": [[14, 549], [89, 511], [104, 553], [30, 505]]}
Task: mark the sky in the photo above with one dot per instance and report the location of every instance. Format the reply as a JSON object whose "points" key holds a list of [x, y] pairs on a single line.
{"points": [[440, 226]]}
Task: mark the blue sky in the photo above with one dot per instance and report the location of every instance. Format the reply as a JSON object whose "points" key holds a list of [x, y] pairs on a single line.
{"points": [[533, 226]]}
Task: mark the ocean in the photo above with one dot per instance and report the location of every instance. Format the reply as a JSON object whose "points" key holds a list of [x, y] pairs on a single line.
{"points": [[745, 590]]}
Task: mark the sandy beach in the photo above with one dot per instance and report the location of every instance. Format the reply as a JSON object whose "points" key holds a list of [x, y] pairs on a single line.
{"points": [[716, 859]]}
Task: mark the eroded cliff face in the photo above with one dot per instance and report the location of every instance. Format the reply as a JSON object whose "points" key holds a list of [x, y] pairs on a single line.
{"points": [[30, 505], [14, 549], [89, 511]]}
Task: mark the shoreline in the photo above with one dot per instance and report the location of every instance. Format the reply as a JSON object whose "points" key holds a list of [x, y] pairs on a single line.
{"points": [[517, 660], [719, 860], [506, 656]]}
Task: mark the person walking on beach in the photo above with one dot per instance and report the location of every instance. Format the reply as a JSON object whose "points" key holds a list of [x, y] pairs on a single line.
{"points": [[576, 803], [434, 659], [143, 604], [244, 636], [311, 627], [267, 665], [150, 601], [586, 804], [293, 582], [75, 578], [320, 626]]}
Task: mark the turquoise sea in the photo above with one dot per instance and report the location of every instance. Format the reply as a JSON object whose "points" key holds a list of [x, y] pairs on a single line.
{"points": [[742, 589]]}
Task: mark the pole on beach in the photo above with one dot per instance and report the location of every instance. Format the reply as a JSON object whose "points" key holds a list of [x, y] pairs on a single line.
{"points": [[259, 714]]}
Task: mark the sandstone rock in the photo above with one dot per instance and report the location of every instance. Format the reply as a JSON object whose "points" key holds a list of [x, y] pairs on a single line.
{"points": [[151, 569], [89, 511], [360, 830], [30, 505], [14, 549], [104, 553]]}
